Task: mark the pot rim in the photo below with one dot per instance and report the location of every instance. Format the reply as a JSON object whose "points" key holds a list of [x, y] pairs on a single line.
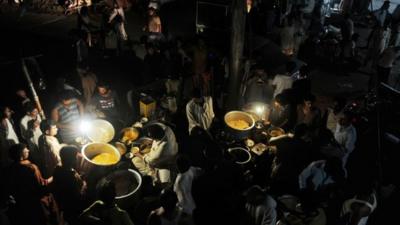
{"points": [[137, 175]]}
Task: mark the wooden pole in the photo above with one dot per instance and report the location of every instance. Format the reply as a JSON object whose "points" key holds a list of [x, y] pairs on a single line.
{"points": [[35, 96], [237, 44]]}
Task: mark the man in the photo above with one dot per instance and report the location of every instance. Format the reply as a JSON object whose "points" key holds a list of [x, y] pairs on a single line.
{"points": [[24, 182], [7, 125], [199, 111], [23, 98], [382, 13], [31, 136], [282, 115], [162, 154], [335, 109], [105, 209], [106, 101], [260, 207], [386, 61], [49, 148], [257, 87], [307, 113], [183, 184], [69, 187], [281, 82], [117, 20], [321, 174], [67, 114], [345, 135]]}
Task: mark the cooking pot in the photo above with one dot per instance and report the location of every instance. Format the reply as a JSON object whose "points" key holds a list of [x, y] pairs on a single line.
{"points": [[100, 131], [127, 184], [239, 123], [96, 169]]}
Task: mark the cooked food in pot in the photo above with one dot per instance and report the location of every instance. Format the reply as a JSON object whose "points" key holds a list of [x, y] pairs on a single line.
{"points": [[105, 159], [129, 135], [238, 124]]}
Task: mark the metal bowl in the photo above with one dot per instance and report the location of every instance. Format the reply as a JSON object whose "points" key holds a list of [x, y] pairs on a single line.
{"points": [[93, 149], [275, 132], [101, 131], [129, 134]]}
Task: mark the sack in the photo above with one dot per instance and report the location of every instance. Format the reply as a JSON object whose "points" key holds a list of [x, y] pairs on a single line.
{"points": [[111, 40]]}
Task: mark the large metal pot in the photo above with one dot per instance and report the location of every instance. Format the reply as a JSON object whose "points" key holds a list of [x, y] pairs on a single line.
{"points": [[127, 183], [233, 118], [95, 170], [101, 131], [91, 150]]}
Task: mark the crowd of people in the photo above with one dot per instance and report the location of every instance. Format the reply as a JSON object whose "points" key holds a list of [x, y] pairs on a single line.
{"points": [[188, 177]]}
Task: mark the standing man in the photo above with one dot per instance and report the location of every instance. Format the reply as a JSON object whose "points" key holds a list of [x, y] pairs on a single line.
{"points": [[346, 135], [382, 13], [199, 111], [7, 125], [67, 114], [31, 136], [385, 63], [117, 20]]}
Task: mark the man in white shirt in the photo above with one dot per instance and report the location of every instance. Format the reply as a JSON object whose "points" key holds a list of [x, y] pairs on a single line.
{"points": [[281, 82], [162, 154], [31, 135], [199, 111], [50, 147], [345, 135]]}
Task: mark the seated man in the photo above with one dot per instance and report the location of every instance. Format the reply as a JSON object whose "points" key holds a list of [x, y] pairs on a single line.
{"points": [[67, 114], [162, 154], [282, 114], [199, 111], [106, 101]]}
